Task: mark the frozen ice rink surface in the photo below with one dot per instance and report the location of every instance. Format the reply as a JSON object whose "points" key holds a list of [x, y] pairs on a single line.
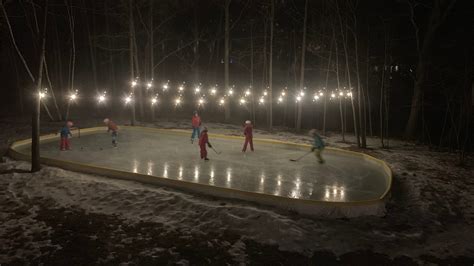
{"points": [[343, 178]]}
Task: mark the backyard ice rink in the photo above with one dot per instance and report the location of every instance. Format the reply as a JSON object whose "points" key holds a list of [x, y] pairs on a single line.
{"points": [[268, 170]]}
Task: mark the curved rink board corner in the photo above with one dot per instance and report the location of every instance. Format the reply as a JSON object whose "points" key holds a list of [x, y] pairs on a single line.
{"points": [[349, 184]]}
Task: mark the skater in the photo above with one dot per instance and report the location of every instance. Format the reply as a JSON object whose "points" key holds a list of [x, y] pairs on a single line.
{"points": [[318, 145], [111, 126], [203, 140], [196, 123], [66, 134], [248, 135]]}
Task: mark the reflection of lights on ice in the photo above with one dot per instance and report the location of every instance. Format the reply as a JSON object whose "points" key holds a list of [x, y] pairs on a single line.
{"points": [[334, 193], [196, 173], [211, 180], [150, 168], [135, 166], [180, 172], [165, 170], [278, 188], [229, 176]]}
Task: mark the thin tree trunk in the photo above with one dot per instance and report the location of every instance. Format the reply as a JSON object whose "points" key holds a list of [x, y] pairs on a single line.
{"points": [[35, 129], [131, 47], [270, 93], [340, 99], [58, 111], [226, 60], [302, 68], [152, 63]]}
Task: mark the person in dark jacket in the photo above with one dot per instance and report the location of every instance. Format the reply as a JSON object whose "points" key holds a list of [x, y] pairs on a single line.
{"points": [[203, 140], [248, 128], [66, 134], [318, 145]]}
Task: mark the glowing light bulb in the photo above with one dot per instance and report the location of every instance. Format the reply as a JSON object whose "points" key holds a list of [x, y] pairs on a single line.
{"points": [[298, 98], [321, 93], [42, 94], [231, 92], [341, 93], [148, 85], [247, 92], [283, 93], [213, 91], [242, 101], [265, 93], [280, 99], [134, 83], [181, 88], [261, 100], [154, 100], [177, 101], [221, 101], [316, 97], [333, 95], [128, 99]]}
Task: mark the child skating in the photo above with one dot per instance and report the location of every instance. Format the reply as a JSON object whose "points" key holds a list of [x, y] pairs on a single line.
{"points": [[196, 123], [112, 127], [66, 134], [318, 145], [248, 128], [203, 140]]}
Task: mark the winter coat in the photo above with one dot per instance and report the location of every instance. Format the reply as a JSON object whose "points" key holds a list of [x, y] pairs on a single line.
{"points": [[248, 130], [65, 132], [111, 126], [318, 142], [196, 121], [203, 139]]}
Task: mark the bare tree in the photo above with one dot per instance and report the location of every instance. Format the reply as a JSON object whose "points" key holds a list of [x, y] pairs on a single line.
{"points": [[302, 68], [226, 58], [439, 12], [270, 92]]}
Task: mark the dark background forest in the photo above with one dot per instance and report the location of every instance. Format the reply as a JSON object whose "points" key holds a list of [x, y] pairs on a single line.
{"points": [[408, 62]]}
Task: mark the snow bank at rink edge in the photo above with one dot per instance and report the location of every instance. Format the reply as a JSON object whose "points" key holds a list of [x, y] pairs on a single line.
{"points": [[302, 206]]}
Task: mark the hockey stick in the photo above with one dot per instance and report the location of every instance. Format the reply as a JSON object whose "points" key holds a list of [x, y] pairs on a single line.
{"points": [[299, 158], [218, 152]]}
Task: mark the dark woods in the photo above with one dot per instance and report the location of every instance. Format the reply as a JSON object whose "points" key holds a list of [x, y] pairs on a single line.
{"points": [[408, 62]]}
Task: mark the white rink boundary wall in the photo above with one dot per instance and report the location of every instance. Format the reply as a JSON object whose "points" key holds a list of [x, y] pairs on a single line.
{"points": [[303, 206]]}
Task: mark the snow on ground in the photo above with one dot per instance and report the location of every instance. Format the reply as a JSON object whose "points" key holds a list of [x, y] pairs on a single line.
{"points": [[61, 216]]}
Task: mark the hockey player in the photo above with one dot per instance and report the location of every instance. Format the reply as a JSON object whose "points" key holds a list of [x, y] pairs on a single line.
{"points": [[112, 127], [196, 124], [203, 140], [66, 134], [248, 128], [318, 145]]}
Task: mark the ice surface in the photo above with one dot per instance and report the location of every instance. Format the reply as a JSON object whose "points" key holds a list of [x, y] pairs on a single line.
{"points": [[268, 170]]}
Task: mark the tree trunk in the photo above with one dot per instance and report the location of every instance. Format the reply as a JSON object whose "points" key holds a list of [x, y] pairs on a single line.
{"points": [[302, 68], [152, 63], [131, 47], [226, 60], [270, 92], [437, 18]]}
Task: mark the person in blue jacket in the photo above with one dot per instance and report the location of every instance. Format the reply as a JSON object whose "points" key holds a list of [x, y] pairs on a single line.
{"points": [[318, 145], [66, 134]]}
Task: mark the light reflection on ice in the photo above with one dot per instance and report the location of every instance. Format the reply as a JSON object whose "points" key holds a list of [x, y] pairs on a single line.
{"points": [[165, 170], [211, 180], [136, 164], [229, 176], [180, 173], [150, 165], [278, 187], [334, 193], [196, 173], [262, 181]]}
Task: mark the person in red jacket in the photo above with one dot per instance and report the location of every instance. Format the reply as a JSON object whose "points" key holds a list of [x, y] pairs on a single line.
{"points": [[196, 123], [203, 140], [111, 126], [248, 135]]}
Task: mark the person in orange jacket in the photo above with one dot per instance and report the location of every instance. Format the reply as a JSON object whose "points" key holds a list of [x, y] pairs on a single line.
{"points": [[203, 140], [196, 123], [248, 128]]}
